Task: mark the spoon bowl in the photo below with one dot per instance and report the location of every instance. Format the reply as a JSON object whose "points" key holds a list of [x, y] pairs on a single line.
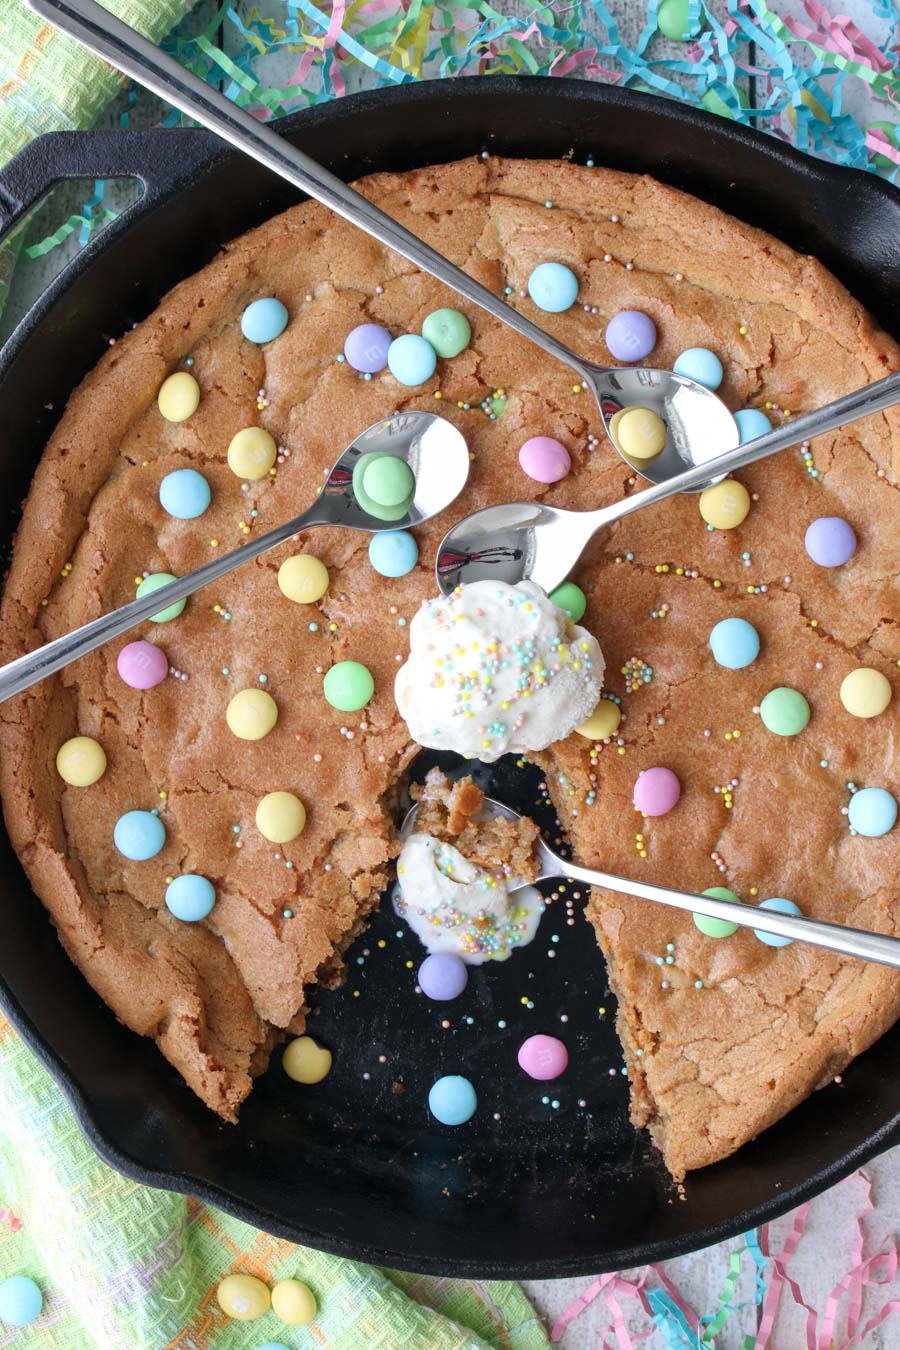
{"points": [[836, 937], [436, 453]]}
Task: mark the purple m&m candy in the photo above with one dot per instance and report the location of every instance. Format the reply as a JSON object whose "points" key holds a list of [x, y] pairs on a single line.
{"points": [[630, 335], [443, 976], [142, 665], [366, 348], [830, 541], [656, 792], [543, 1057], [544, 459]]}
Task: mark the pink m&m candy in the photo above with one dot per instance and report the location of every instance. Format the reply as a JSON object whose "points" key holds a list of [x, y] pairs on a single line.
{"points": [[656, 792], [543, 1057], [142, 665], [630, 335], [544, 459]]}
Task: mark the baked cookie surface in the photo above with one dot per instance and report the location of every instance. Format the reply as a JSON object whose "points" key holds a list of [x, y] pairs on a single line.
{"points": [[732, 1033]]}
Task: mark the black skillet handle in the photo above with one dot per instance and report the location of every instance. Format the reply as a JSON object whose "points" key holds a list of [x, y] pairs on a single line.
{"points": [[161, 159]]}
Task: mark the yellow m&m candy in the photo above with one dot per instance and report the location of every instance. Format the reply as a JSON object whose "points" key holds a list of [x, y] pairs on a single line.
{"points": [[81, 761], [603, 721], [303, 579], [865, 692], [251, 714], [725, 504], [252, 453], [280, 817], [178, 397], [294, 1302], [306, 1062], [243, 1297], [640, 433]]}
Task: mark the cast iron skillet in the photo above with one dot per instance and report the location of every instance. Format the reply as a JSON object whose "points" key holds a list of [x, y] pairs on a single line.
{"points": [[355, 1166]]}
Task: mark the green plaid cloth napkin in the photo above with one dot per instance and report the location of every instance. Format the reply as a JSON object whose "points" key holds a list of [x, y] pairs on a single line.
{"points": [[124, 1267]]}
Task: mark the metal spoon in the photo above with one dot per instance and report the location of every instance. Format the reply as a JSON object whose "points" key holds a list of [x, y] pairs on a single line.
{"points": [[836, 937], [432, 447], [699, 425], [530, 540]]}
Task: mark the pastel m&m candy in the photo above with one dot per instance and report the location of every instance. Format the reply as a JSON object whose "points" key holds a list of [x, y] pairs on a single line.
{"points": [[571, 598], [603, 721], [630, 335], [716, 928], [784, 711], [872, 812], [142, 665], [178, 397], [724, 505], [393, 553], [293, 1302], [656, 792], [280, 817], [251, 714], [154, 582], [388, 481], [348, 686], [366, 348], [411, 359], [553, 287], [640, 433], [751, 423], [81, 761], [303, 579], [306, 1062], [443, 976], [544, 459], [190, 897], [779, 906], [734, 643], [452, 1100], [448, 331], [139, 835], [252, 453], [185, 494], [543, 1057], [243, 1297], [865, 692], [830, 541], [700, 364], [264, 320], [21, 1301]]}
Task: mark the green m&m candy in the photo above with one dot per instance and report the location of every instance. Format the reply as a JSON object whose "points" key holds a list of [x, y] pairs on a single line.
{"points": [[784, 712], [448, 332], [348, 686], [717, 928], [153, 583], [571, 598]]}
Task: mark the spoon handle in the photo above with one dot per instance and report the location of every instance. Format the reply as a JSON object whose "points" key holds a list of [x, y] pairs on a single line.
{"points": [[101, 32], [62, 651], [835, 937], [870, 399]]}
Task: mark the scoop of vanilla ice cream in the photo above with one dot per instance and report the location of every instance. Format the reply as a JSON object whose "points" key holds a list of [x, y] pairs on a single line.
{"points": [[495, 669]]}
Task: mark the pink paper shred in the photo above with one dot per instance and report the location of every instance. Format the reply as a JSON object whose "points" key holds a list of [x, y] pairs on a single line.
{"points": [[826, 1328]]}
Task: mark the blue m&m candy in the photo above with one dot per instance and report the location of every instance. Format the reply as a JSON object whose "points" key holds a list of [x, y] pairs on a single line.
{"points": [[393, 553], [780, 906], [264, 320], [139, 835], [700, 364], [734, 643], [411, 359], [190, 897], [452, 1100], [553, 287], [21, 1301], [751, 423], [185, 494], [872, 812]]}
